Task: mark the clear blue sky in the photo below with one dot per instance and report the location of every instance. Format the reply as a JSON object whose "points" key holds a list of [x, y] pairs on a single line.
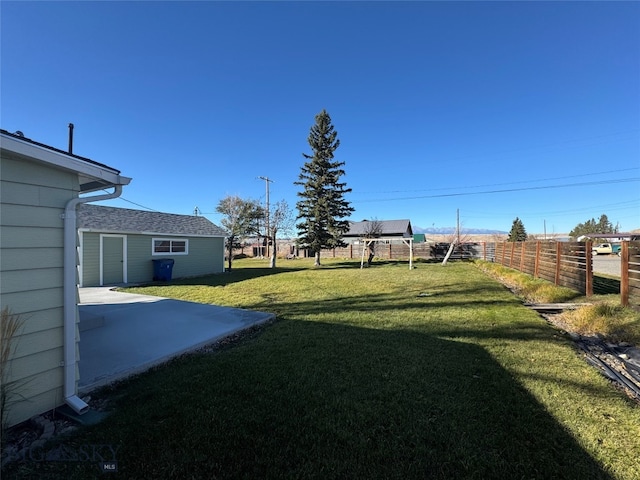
{"points": [[498, 109]]}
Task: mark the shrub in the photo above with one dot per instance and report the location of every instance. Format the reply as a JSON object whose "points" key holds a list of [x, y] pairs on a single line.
{"points": [[9, 326]]}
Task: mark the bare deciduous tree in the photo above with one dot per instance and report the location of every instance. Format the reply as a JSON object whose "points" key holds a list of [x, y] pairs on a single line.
{"points": [[240, 219], [372, 231], [281, 219]]}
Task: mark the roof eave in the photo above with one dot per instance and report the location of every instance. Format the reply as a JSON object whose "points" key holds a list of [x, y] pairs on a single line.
{"points": [[116, 231], [92, 176]]}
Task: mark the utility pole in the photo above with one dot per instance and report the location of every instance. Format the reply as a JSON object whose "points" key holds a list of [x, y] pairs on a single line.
{"points": [[266, 212]]}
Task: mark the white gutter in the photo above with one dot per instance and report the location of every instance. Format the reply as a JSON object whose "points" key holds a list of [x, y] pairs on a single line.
{"points": [[71, 294]]}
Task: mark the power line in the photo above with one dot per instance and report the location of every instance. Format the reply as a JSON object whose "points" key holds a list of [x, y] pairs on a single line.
{"points": [[626, 205], [134, 203], [508, 183], [506, 190]]}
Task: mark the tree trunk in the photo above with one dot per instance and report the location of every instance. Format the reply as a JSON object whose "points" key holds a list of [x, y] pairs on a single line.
{"points": [[317, 262], [274, 250], [372, 253], [272, 261], [230, 254]]}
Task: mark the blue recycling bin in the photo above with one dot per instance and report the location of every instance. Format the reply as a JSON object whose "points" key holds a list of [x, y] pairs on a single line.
{"points": [[162, 269]]}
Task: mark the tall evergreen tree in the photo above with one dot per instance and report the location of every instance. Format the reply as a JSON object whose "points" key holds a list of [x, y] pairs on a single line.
{"points": [[518, 232], [322, 207]]}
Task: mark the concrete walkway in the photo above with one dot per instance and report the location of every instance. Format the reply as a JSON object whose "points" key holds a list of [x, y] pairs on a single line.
{"points": [[122, 334]]}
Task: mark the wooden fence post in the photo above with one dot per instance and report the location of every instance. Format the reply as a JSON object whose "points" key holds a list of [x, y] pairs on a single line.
{"points": [[589, 270], [536, 265], [504, 252], [513, 248], [558, 262], [558, 256], [624, 274], [522, 250]]}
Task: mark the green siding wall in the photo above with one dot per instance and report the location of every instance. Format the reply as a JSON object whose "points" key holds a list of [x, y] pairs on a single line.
{"points": [[140, 267], [90, 259], [206, 256], [32, 201]]}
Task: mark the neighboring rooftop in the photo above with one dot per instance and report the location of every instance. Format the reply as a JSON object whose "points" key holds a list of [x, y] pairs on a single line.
{"points": [[124, 220], [611, 236], [384, 228]]}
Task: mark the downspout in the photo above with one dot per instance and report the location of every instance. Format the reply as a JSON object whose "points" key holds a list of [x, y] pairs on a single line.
{"points": [[70, 290]]}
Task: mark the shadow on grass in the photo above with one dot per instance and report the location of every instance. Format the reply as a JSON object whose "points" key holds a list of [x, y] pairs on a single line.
{"points": [[317, 400], [435, 297], [229, 277], [248, 272]]}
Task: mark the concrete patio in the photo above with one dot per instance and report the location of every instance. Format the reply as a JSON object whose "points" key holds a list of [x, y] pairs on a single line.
{"points": [[122, 334]]}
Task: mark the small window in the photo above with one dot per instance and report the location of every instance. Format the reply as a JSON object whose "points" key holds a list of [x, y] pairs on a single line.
{"points": [[179, 246], [163, 246]]}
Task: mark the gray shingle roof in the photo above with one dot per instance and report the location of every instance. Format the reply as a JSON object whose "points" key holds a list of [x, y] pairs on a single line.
{"points": [[123, 220], [394, 228]]}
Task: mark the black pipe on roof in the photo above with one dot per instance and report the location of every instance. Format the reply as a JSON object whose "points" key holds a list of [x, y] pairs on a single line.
{"points": [[71, 138]]}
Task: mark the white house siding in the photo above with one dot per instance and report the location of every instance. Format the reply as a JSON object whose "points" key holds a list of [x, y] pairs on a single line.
{"points": [[33, 198]]}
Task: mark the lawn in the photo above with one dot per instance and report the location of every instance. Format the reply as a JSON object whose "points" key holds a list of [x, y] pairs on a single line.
{"points": [[438, 372]]}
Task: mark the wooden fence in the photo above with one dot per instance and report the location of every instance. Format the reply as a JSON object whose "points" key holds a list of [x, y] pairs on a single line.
{"points": [[390, 251], [567, 264], [400, 251], [570, 264], [630, 274]]}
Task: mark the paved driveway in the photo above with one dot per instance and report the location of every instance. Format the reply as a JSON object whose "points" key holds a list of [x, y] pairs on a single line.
{"points": [[607, 264], [122, 333]]}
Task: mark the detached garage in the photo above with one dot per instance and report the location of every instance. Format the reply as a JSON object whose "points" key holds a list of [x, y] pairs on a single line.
{"points": [[119, 245]]}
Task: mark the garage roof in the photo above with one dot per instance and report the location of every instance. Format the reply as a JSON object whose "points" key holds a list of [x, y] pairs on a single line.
{"points": [[123, 220]]}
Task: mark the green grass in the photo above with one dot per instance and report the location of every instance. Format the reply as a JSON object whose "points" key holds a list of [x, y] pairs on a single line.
{"points": [[438, 372], [602, 314]]}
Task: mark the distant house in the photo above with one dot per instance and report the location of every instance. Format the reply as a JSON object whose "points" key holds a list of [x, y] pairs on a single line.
{"points": [[118, 245], [419, 238], [40, 189], [609, 237], [370, 232], [385, 230]]}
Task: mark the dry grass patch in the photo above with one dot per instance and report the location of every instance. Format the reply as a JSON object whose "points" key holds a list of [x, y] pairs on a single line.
{"points": [[613, 321], [530, 289]]}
